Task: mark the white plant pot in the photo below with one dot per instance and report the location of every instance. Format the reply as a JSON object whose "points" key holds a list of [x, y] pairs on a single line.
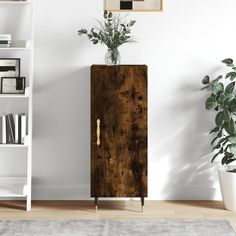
{"points": [[228, 188]]}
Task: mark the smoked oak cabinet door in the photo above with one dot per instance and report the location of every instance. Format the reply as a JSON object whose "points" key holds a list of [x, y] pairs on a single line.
{"points": [[119, 131]]}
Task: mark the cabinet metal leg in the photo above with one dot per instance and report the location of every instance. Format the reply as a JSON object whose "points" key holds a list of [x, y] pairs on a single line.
{"points": [[96, 204], [142, 203]]}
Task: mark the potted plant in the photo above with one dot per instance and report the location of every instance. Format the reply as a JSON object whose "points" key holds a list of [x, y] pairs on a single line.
{"points": [[114, 31], [223, 101]]}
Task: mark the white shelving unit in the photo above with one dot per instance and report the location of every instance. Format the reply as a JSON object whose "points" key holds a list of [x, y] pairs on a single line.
{"points": [[20, 187], [16, 3]]}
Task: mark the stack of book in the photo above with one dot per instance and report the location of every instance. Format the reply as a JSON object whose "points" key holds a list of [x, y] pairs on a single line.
{"points": [[5, 40], [13, 128]]}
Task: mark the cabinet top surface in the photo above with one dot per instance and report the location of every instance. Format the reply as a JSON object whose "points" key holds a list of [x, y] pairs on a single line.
{"points": [[100, 65]]}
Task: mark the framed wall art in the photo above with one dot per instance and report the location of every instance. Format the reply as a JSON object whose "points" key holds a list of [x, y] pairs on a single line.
{"points": [[13, 85], [134, 5], [9, 67]]}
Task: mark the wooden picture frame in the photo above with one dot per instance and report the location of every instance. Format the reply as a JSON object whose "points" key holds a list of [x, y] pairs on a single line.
{"points": [[133, 5], [13, 85], [9, 67]]}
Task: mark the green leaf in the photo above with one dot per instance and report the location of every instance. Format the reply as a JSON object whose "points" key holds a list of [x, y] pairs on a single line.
{"points": [[221, 141], [214, 130], [224, 160], [232, 106], [219, 119], [214, 157], [206, 79], [218, 88], [228, 154], [227, 147], [212, 142], [216, 147], [218, 78], [105, 14], [232, 139], [215, 81], [230, 127], [221, 98], [82, 31], [227, 159], [132, 22], [228, 61], [110, 15], [211, 103], [225, 142], [94, 33], [230, 160], [230, 88], [231, 75], [226, 116], [233, 149], [95, 41], [229, 98], [219, 135]]}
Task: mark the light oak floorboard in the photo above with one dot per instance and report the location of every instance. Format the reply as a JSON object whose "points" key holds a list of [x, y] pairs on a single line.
{"points": [[116, 210]]}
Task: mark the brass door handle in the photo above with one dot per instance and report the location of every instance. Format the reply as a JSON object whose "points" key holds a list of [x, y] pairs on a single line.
{"points": [[98, 132]]}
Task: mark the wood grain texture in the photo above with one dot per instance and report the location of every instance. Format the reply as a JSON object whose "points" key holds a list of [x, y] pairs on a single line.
{"points": [[119, 100]]}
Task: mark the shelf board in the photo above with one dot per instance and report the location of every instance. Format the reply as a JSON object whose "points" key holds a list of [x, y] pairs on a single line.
{"points": [[26, 95], [26, 144], [18, 45], [13, 187], [13, 145], [15, 3]]}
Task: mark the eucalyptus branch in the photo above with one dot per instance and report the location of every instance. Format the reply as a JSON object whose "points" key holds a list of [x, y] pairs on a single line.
{"points": [[114, 31]]}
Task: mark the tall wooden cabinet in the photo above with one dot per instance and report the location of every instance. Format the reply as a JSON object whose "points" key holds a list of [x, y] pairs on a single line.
{"points": [[119, 131]]}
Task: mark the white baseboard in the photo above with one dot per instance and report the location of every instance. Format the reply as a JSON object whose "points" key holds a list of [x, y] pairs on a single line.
{"points": [[41, 192]]}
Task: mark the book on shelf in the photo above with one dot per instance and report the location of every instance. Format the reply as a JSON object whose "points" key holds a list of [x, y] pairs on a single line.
{"points": [[10, 129], [2, 42], [5, 40], [3, 132], [13, 128], [22, 128], [16, 119]]}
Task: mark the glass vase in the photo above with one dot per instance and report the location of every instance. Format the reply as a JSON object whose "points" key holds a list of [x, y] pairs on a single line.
{"points": [[112, 57]]}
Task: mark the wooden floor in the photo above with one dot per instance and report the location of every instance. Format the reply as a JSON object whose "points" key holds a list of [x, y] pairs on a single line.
{"points": [[112, 210]]}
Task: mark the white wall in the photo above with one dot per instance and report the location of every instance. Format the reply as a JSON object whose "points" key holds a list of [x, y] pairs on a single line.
{"points": [[180, 46]]}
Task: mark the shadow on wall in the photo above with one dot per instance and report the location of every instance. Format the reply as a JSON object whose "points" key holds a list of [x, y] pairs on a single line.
{"points": [[62, 119], [190, 174]]}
